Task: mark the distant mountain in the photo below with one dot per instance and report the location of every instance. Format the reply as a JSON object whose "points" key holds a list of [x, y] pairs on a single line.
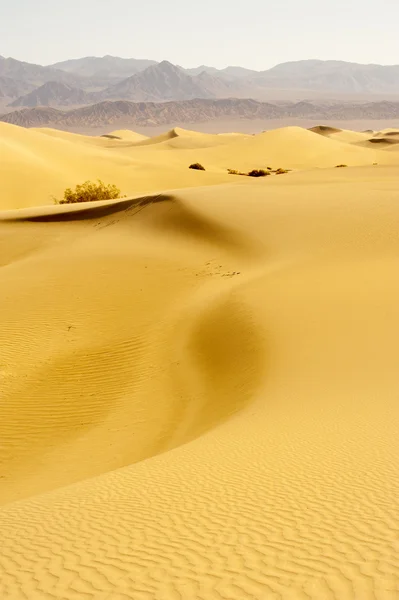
{"points": [[197, 70], [32, 117], [34, 74], [111, 67], [148, 113], [331, 75], [217, 87], [191, 111], [162, 81], [11, 88], [237, 72], [97, 79], [229, 73], [53, 93]]}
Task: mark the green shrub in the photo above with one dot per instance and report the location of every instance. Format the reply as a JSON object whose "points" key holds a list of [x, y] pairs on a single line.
{"points": [[197, 167], [90, 192]]}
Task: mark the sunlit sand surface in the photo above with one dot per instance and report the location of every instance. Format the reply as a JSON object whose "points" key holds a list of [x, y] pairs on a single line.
{"points": [[199, 383]]}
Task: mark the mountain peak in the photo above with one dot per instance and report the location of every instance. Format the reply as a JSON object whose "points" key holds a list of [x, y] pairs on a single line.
{"points": [[53, 93], [166, 65], [163, 81]]}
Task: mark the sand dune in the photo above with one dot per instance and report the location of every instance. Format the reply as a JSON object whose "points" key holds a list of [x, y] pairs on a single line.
{"points": [[291, 147], [111, 140], [343, 135], [128, 135], [178, 138], [365, 139], [199, 385], [389, 131], [52, 160]]}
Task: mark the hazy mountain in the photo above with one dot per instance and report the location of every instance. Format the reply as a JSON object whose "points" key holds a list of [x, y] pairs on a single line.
{"points": [[229, 73], [331, 75], [197, 70], [162, 81], [32, 117], [33, 74], [53, 93], [190, 111], [11, 88], [95, 79], [148, 113], [237, 72], [111, 67], [217, 87]]}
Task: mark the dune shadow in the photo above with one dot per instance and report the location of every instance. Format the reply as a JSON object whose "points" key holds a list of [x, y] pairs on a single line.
{"points": [[92, 212]]}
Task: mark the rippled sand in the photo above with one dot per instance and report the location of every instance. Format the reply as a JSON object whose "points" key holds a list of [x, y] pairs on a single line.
{"points": [[199, 386]]}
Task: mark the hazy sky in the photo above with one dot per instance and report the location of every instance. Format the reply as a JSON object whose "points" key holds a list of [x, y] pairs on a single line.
{"points": [[255, 33]]}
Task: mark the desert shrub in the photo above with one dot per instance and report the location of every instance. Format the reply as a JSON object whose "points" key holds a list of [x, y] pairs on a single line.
{"points": [[197, 167], [253, 173], [281, 171], [340, 166], [90, 192], [258, 173]]}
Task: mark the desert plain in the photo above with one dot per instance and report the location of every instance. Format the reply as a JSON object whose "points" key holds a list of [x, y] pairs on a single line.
{"points": [[199, 381]]}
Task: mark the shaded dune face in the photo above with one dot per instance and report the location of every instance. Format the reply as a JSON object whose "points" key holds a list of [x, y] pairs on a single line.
{"points": [[91, 371], [381, 139], [384, 140], [324, 129]]}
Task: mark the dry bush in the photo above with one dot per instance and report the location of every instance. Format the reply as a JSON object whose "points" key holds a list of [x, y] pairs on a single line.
{"points": [[90, 192], [197, 167], [258, 173], [281, 171], [340, 166], [235, 172], [253, 173]]}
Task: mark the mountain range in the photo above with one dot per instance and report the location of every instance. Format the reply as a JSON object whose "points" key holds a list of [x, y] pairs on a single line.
{"points": [[93, 80], [190, 111]]}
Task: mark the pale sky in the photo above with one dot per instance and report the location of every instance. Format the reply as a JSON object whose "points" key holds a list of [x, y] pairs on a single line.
{"points": [[255, 33]]}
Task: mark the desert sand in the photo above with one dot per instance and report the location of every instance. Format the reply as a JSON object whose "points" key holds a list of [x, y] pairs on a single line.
{"points": [[199, 382]]}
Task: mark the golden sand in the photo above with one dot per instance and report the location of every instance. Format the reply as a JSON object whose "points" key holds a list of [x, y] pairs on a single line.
{"points": [[199, 384]]}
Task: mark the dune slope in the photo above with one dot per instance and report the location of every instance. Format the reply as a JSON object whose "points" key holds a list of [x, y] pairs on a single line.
{"points": [[52, 160], [200, 393]]}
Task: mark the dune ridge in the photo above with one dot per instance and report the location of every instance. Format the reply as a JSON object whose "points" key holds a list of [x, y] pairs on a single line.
{"points": [[52, 160], [199, 385]]}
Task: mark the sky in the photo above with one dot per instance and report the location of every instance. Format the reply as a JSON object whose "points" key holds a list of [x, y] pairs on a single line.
{"points": [[256, 34]]}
